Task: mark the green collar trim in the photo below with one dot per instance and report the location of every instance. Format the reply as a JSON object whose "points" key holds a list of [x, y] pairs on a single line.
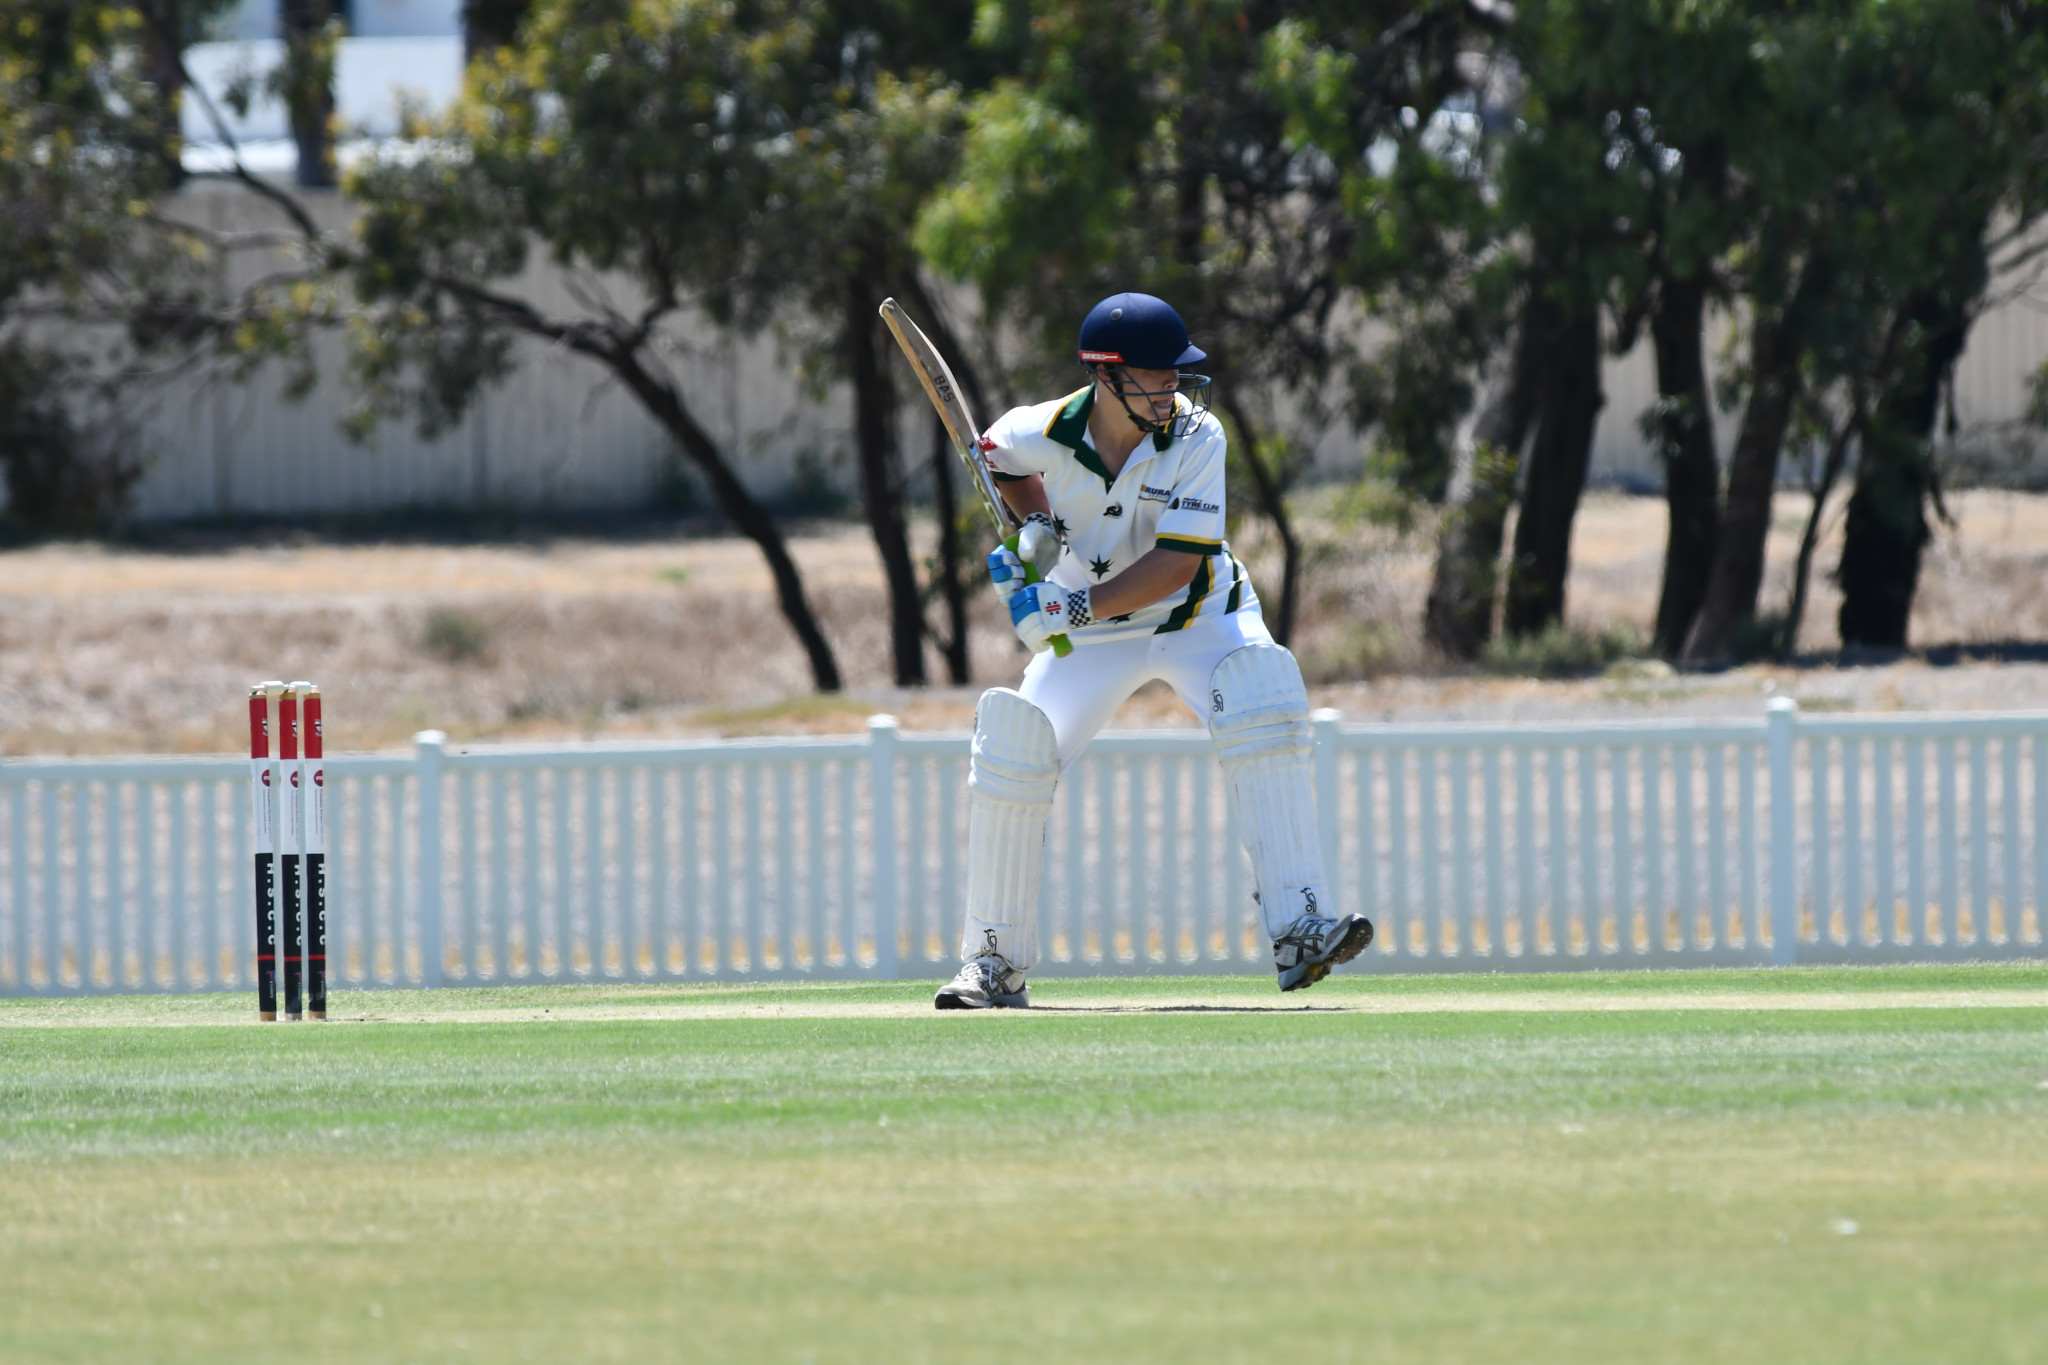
{"points": [[1069, 427]]}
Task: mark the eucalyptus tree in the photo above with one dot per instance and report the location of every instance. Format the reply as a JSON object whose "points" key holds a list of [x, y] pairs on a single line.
{"points": [[99, 287], [631, 143], [1905, 158], [1202, 152], [874, 134], [1957, 178]]}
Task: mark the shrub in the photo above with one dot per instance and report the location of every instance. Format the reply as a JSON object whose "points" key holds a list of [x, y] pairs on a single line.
{"points": [[454, 636], [64, 476], [1560, 652]]}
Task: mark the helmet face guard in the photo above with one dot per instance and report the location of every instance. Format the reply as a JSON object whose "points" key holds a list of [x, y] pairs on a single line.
{"points": [[1190, 401]]}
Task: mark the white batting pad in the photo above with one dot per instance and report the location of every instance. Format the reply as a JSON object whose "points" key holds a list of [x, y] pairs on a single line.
{"points": [[1258, 716], [1010, 782]]}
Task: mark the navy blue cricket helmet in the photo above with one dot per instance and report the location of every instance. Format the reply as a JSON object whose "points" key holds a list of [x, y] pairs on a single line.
{"points": [[1137, 331], [1140, 331]]}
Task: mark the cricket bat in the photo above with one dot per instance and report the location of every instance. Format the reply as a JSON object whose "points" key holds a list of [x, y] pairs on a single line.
{"points": [[961, 428]]}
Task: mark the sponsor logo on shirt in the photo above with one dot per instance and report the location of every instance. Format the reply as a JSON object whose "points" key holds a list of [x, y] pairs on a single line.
{"points": [[1192, 505], [1115, 509], [1148, 493]]}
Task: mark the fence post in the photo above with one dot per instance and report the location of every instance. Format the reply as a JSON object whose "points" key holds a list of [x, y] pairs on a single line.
{"points": [[1780, 718], [882, 783], [428, 745], [1325, 723]]}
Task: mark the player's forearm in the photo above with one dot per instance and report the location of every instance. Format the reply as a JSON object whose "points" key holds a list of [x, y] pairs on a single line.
{"points": [[1025, 495], [1157, 574]]}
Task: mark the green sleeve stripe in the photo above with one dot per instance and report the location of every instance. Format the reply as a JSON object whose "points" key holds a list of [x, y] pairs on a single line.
{"points": [[1179, 617], [1188, 545], [1001, 477], [1236, 586]]}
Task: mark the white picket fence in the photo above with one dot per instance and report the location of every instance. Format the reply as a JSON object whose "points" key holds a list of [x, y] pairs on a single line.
{"points": [[1785, 839]]}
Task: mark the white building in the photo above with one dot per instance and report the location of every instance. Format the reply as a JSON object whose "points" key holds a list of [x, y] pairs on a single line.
{"points": [[398, 52], [365, 19]]}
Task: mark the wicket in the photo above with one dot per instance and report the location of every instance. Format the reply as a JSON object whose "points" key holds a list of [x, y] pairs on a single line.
{"points": [[291, 852]]}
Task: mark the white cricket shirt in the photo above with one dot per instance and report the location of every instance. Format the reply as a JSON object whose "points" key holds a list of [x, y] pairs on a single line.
{"points": [[1169, 493]]}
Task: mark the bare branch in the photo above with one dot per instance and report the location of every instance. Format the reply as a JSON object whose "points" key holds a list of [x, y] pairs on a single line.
{"points": [[290, 205]]}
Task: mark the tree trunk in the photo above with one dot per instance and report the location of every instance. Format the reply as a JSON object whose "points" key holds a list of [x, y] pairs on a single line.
{"points": [[1685, 430], [874, 421], [163, 36], [1270, 487], [1802, 566], [309, 86], [490, 24], [1459, 616], [1557, 466], [954, 646], [666, 406], [1737, 572], [1887, 524]]}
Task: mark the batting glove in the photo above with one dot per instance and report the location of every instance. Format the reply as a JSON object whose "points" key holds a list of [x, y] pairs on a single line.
{"points": [[1005, 572], [1038, 541], [1044, 610]]}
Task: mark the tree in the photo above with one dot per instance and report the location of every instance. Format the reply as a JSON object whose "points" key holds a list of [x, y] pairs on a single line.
{"points": [[1183, 150], [1568, 193], [1957, 172], [1901, 156], [1612, 196], [632, 143], [874, 134], [84, 157]]}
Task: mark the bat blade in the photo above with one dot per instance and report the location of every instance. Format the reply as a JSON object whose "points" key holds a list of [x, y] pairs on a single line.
{"points": [[939, 386]]}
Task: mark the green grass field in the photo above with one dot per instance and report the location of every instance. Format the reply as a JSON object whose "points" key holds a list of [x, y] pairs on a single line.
{"points": [[1731, 1166]]}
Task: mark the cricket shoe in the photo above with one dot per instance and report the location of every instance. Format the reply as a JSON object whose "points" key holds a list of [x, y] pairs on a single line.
{"points": [[1312, 945], [986, 982]]}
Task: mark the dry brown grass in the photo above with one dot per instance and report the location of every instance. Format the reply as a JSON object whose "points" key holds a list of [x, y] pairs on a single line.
{"points": [[121, 649]]}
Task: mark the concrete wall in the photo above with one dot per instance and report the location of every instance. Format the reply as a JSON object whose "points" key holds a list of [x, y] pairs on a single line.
{"points": [[561, 435], [558, 435], [2007, 345]]}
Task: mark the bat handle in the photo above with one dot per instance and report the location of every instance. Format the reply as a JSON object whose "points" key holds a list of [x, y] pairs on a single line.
{"points": [[1061, 645]]}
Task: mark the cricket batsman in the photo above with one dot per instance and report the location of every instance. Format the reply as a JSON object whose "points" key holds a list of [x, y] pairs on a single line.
{"points": [[1120, 487]]}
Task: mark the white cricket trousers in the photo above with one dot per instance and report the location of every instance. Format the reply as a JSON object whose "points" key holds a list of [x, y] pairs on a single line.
{"points": [[1082, 691]]}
